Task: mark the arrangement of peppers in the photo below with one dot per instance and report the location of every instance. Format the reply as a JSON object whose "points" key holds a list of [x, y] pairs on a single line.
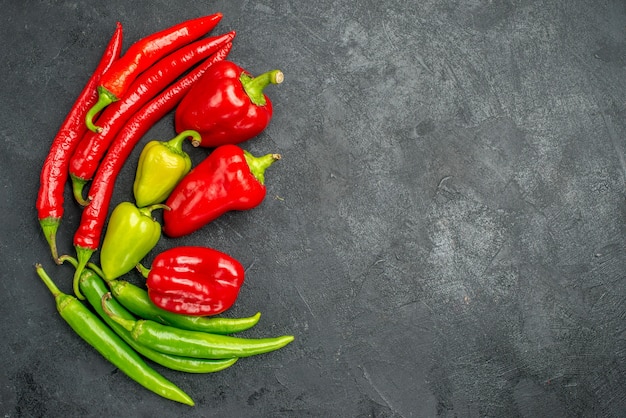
{"points": [[172, 320]]}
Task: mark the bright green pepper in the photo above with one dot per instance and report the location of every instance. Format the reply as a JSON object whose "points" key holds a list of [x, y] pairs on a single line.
{"points": [[161, 167], [131, 234]]}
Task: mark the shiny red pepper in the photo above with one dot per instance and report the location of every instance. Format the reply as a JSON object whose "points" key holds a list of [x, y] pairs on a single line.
{"points": [[227, 105], [228, 179], [194, 280], [141, 55]]}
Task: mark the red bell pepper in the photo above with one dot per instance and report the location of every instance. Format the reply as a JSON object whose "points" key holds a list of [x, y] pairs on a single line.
{"points": [[197, 281], [227, 105], [228, 179]]}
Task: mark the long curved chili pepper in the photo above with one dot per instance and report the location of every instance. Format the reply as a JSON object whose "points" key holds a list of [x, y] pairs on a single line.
{"points": [[141, 55], [87, 236], [93, 146], [180, 342], [94, 288], [136, 300], [97, 334], [55, 168]]}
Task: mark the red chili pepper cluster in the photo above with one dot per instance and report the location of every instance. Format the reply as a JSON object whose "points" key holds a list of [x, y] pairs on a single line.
{"points": [[217, 105]]}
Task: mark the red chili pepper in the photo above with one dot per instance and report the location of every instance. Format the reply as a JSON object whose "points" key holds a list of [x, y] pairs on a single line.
{"points": [[228, 179], [55, 168], [141, 55], [197, 281], [93, 146], [89, 232], [227, 105]]}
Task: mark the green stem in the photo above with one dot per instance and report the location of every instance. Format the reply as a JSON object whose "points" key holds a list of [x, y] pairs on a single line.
{"points": [[176, 144], [82, 255], [147, 211], [105, 98], [127, 324], [254, 86], [258, 165], [69, 259], [78, 185], [50, 226], [96, 270], [143, 270], [47, 281]]}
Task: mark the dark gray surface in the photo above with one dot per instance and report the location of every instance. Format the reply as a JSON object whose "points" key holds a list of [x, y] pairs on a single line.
{"points": [[445, 235]]}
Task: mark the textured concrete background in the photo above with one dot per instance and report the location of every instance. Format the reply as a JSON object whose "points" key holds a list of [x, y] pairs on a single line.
{"points": [[445, 235]]}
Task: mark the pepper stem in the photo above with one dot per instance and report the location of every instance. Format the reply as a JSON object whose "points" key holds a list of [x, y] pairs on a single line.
{"points": [[105, 98], [254, 86], [82, 255], [258, 165], [50, 226], [126, 323], [147, 211], [74, 262], [78, 185], [143, 270], [176, 144], [69, 259], [47, 281], [97, 270]]}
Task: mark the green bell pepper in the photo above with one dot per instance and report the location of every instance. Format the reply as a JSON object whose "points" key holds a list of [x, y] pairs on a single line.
{"points": [[131, 233]]}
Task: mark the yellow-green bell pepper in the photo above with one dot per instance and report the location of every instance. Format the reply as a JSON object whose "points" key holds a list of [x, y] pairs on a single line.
{"points": [[161, 167], [131, 234]]}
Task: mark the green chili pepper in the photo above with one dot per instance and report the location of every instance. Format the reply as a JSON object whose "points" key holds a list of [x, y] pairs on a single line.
{"points": [[94, 288], [161, 166], [136, 300], [131, 234], [196, 344], [97, 334]]}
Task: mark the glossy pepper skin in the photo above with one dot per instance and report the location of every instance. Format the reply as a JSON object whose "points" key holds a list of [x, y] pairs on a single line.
{"points": [[97, 334], [161, 166], [194, 280], [142, 55], [54, 173], [227, 105], [87, 236], [131, 234], [228, 179]]}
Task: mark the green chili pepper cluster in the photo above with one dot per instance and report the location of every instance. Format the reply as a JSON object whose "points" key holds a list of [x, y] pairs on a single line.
{"points": [[128, 327]]}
